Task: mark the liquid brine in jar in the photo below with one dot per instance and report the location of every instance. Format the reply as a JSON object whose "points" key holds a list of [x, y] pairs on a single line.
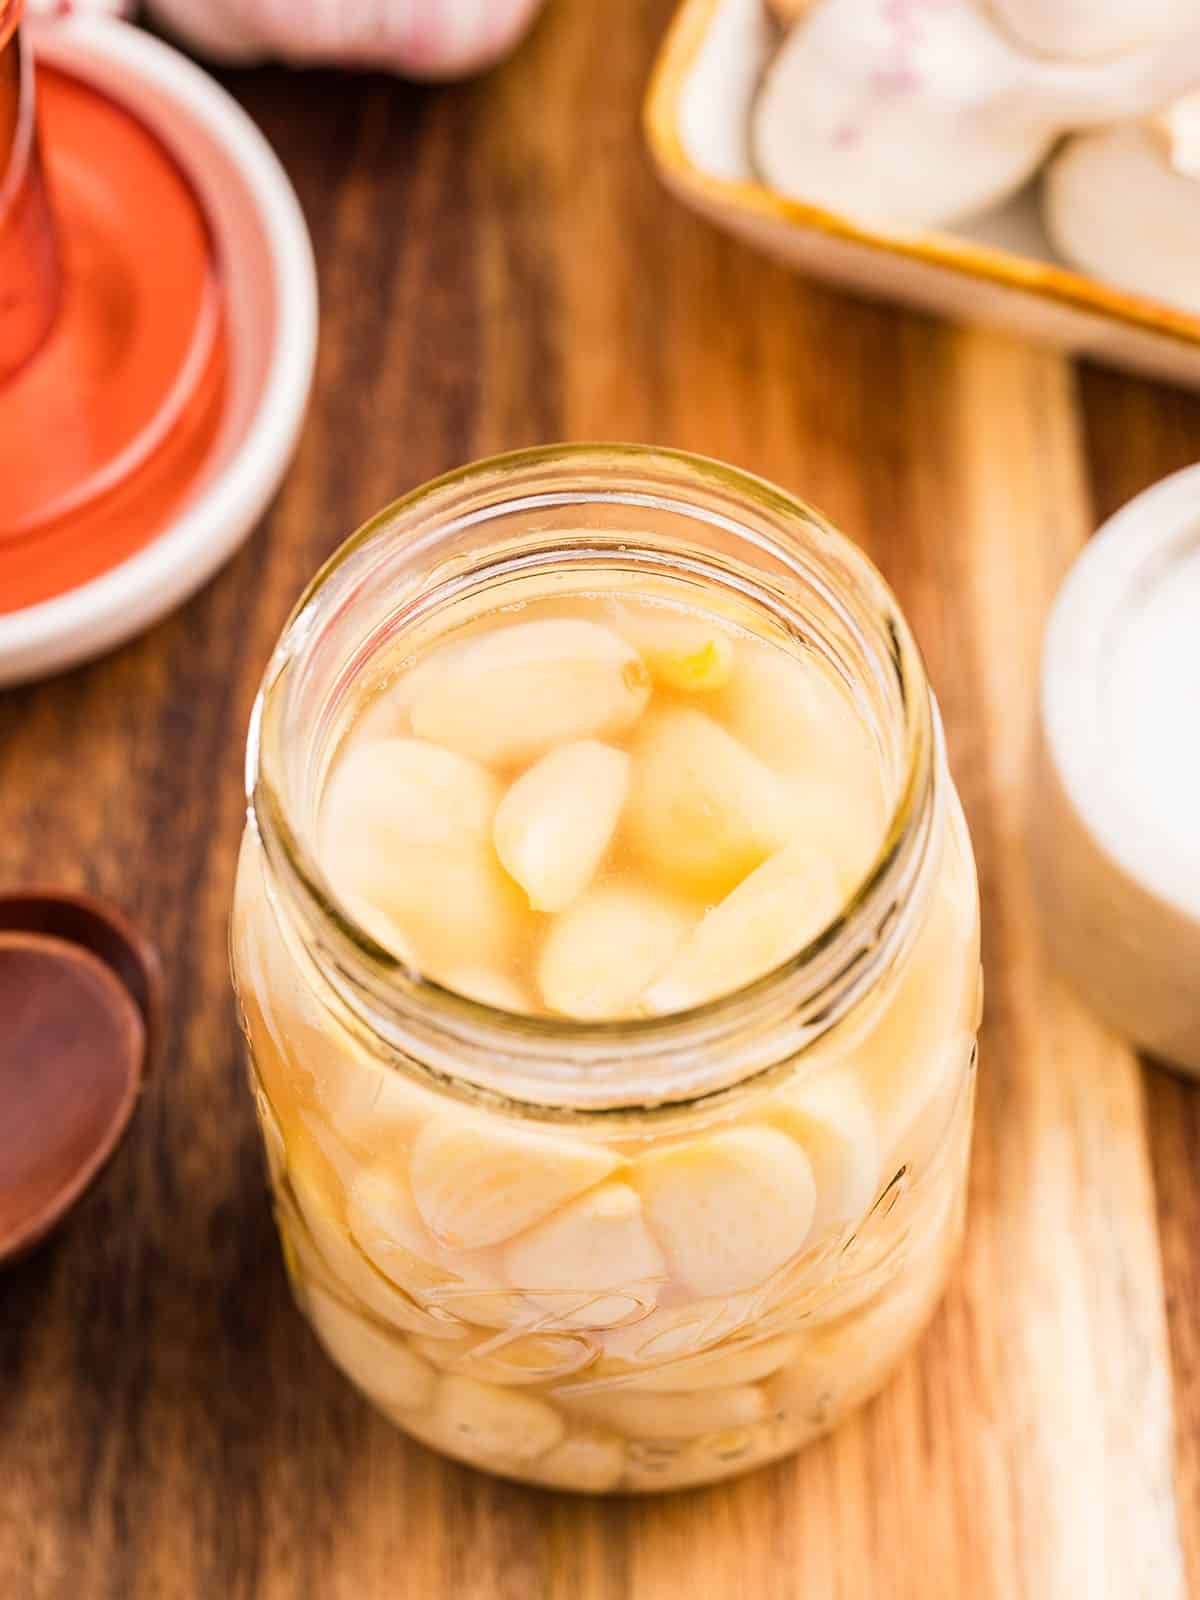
{"points": [[606, 936]]}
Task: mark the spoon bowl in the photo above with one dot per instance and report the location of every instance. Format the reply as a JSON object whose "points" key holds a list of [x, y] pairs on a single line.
{"points": [[78, 1008]]}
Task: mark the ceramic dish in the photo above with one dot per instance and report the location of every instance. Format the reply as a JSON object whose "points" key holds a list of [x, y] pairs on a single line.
{"points": [[1001, 272]]}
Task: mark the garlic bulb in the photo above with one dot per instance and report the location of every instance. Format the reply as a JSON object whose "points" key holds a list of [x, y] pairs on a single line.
{"points": [[1117, 207], [1089, 29], [418, 38], [65, 8], [914, 114]]}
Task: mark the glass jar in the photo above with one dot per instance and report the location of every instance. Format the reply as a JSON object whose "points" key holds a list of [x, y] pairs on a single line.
{"points": [[570, 1252]]}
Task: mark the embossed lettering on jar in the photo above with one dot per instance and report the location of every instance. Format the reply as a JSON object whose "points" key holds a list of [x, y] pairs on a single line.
{"points": [[606, 938]]}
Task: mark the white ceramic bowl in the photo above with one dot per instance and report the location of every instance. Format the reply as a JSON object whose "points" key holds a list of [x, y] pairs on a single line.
{"points": [[1002, 271], [270, 285]]}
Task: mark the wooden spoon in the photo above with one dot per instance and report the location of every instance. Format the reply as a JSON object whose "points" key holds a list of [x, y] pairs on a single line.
{"points": [[78, 1006]]}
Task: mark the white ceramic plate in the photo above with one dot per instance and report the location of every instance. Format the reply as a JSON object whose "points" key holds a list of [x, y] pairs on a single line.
{"points": [[1002, 272], [271, 310]]}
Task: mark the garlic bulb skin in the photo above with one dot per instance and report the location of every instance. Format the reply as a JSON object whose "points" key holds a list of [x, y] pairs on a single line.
{"points": [[904, 117], [416, 38], [1115, 207], [1090, 30]]}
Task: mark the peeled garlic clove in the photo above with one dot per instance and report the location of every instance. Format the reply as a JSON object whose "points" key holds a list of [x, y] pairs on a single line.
{"points": [[477, 1182], [406, 795], [912, 1059], [384, 929], [331, 1258], [830, 1117], [509, 1358], [1090, 29], [656, 1469], [784, 709], [675, 1333], [555, 824], [692, 654], [644, 1415], [380, 1364], [406, 826], [842, 1363], [847, 825], [768, 918], [508, 696], [860, 106], [468, 1298], [728, 1208], [274, 1146], [1116, 208], [387, 1227], [597, 1257], [728, 1366], [488, 1420], [602, 951], [488, 987], [703, 811], [590, 1461]]}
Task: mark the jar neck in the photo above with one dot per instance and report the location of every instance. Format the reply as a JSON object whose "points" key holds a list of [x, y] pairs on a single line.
{"points": [[589, 516]]}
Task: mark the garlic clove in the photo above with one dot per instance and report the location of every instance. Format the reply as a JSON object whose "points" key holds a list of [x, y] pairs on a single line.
{"points": [[489, 1420], [555, 824], [830, 1117], [508, 696], [514, 1358], [686, 652], [332, 1260], [1115, 207], [590, 1461], [406, 827], [769, 917], [380, 1364], [478, 1182], [729, 1208], [387, 1227], [728, 1366], [797, 719], [602, 952], [912, 1058], [860, 107], [488, 987], [644, 1415], [407, 794], [847, 825], [1090, 30], [592, 1264], [657, 1468], [674, 1333], [703, 811]]}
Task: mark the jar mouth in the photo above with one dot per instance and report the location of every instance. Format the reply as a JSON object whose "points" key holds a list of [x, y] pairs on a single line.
{"points": [[585, 1065]]}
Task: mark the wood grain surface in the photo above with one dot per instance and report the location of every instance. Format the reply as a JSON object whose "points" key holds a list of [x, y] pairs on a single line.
{"points": [[499, 267]]}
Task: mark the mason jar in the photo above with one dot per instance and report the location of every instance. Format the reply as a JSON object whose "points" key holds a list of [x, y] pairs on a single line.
{"points": [[611, 1255]]}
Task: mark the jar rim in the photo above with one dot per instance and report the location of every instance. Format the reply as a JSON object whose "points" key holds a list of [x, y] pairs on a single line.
{"points": [[505, 482]]}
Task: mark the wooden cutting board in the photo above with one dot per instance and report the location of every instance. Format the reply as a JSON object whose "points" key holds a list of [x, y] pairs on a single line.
{"points": [[499, 267]]}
